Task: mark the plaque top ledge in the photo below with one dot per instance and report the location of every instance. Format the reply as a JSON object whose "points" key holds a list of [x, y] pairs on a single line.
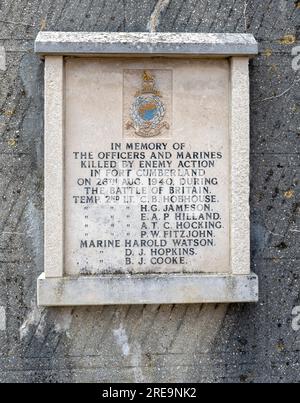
{"points": [[145, 44]]}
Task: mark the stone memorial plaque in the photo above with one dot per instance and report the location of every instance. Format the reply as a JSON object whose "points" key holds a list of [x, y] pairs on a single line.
{"points": [[146, 168]]}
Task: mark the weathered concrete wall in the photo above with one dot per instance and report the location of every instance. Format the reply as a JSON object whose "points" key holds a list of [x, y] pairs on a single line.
{"points": [[151, 343]]}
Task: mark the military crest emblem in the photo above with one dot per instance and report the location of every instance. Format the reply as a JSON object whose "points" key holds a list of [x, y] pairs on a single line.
{"points": [[148, 110]]}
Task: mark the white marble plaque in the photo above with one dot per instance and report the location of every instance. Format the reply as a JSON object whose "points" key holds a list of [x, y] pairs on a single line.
{"points": [[147, 166]]}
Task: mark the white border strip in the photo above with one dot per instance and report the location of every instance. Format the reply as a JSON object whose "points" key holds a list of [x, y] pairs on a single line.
{"points": [[240, 148], [54, 162]]}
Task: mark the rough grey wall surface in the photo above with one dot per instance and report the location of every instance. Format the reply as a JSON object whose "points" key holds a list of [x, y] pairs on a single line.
{"points": [[193, 343]]}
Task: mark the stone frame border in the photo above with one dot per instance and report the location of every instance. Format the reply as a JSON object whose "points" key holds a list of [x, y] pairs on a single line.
{"points": [[145, 44], [241, 285]]}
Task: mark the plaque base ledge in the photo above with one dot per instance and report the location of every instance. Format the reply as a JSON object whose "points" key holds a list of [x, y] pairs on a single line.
{"points": [[158, 289]]}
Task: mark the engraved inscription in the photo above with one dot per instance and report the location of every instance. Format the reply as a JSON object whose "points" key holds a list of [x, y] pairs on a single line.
{"points": [[147, 198]]}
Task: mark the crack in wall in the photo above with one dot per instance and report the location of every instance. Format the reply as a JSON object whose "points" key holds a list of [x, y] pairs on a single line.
{"points": [[154, 21]]}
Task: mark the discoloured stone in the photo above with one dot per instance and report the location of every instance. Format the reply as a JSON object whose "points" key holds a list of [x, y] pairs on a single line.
{"points": [[145, 289], [161, 5], [2, 58], [2, 318]]}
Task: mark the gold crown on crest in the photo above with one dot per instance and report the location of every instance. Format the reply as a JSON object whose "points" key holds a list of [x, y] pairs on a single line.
{"points": [[148, 85]]}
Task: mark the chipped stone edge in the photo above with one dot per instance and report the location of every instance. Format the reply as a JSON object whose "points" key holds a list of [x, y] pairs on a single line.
{"points": [[145, 44], [147, 289]]}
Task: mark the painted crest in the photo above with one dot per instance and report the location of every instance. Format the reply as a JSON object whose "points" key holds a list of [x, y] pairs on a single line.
{"points": [[148, 110]]}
